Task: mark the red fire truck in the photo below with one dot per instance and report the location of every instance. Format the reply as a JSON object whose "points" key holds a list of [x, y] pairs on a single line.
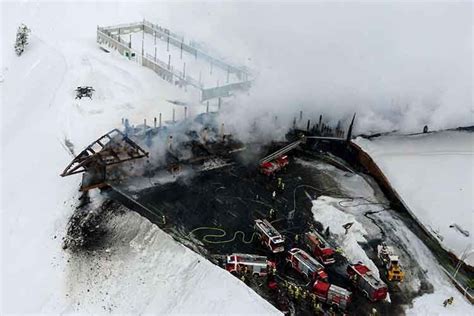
{"points": [[254, 264], [319, 247], [302, 262], [270, 167], [332, 294], [365, 280], [269, 236]]}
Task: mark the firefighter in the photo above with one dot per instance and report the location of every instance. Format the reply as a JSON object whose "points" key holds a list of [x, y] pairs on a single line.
{"points": [[279, 183], [448, 301], [164, 219], [274, 194], [297, 239], [283, 186], [373, 312], [297, 292], [318, 309], [290, 290], [271, 214], [331, 311]]}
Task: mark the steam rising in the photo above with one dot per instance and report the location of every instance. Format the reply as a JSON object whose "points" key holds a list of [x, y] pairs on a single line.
{"points": [[399, 65]]}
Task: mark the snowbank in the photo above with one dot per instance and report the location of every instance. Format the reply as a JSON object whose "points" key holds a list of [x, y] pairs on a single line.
{"points": [[433, 174], [325, 212], [147, 271]]}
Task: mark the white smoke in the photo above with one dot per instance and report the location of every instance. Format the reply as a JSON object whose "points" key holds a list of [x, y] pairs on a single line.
{"points": [[399, 65]]}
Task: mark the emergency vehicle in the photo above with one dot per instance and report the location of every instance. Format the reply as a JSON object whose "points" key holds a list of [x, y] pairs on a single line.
{"points": [[319, 248], [270, 167], [269, 236], [332, 294], [387, 255], [365, 280], [302, 262], [253, 264]]}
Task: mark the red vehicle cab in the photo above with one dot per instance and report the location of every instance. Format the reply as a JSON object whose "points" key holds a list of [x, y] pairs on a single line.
{"points": [[269, 236], [319, 248], [332, 294], [254, 264], [365, 280], [270, 167], [302, 262]]}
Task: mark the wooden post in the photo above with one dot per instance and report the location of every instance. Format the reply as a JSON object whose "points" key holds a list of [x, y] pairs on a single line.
{"points": [[169, 62], [207, 107], [181, 52], [168, 45], [211, 67], [301, 115], [173, 115], [219, 104], [130, 44], [154, 122], [155, 53], [185, 112], [154, 32], [160, 120]]}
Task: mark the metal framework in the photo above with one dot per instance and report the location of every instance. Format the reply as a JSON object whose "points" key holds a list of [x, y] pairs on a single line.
{"points": [[110, 149]]}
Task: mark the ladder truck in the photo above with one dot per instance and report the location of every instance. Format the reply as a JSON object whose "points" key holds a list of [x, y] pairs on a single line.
{"points": [[365, 280], [331, 294], [269, 236], [276, 161], [390, 261], [302, 262]]}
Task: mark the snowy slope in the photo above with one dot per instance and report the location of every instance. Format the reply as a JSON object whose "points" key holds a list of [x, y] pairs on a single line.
{"points": [[145, 271], [434, 175]]}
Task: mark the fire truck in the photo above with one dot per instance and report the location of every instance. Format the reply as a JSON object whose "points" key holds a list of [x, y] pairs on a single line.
{"points": [[387, 255], [254, 264], [365, 280], [302, 262], [319, 247], [332, 294], [270, 167], [269, 236]]}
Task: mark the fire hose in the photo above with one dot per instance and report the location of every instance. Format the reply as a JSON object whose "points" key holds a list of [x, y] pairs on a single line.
{"points": [[220, 233]]}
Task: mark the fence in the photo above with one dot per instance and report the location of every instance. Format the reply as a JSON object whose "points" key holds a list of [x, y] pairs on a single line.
{"points": [[110, 37]]}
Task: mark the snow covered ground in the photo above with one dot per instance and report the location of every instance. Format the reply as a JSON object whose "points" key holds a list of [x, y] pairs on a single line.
{"points": [[415, 257], [145, 271], [434, 176]]}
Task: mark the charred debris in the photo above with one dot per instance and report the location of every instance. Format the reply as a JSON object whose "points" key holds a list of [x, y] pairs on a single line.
{"points": [[236, 208]]}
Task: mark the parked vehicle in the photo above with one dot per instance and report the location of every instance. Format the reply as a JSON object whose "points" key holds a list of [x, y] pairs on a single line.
{"points": [[332, 294], [269, 236], [270, 167], [319, 247], [390, 260], [302, 262], [253, 264], [365, 280]]}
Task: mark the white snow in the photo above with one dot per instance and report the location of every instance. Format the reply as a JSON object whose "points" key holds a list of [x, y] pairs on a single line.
{"points": [[325, 212], [146, 271], [433, 174], [338, 211]]}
